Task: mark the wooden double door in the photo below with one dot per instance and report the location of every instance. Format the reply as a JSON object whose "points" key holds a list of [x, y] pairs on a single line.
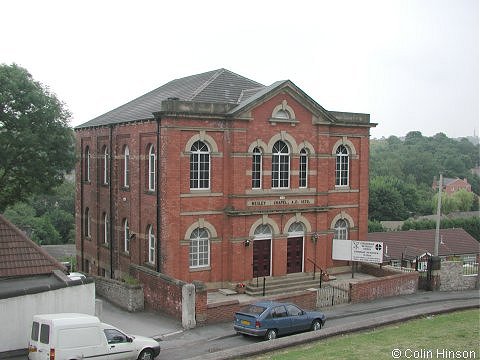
{"points": [[262, 256]]}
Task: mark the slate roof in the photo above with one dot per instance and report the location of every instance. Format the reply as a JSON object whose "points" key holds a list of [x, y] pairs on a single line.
{"points": [[217, 86], [20, 256], [414, 243]]}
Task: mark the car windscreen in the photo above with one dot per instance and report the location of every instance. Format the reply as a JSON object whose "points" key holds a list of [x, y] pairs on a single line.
{"points": [[252, 309]]}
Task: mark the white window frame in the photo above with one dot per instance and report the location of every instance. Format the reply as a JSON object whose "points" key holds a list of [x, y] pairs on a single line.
{"points": [[126, 168], [105, 229], [151, 168], [126, 236], [341, 229], [87, 223], [105, 166], [257, 164], [151, 245], [281, 159], [199, 248], [303, 169], [87, 164], [342, 166], [199, 157]]}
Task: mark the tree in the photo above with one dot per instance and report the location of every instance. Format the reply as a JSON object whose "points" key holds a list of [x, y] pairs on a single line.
{"points": [[36, 142], [386, 202]]}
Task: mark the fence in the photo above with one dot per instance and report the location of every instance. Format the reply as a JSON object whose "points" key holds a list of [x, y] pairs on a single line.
{"points": [[330, 295], [470, 267]]}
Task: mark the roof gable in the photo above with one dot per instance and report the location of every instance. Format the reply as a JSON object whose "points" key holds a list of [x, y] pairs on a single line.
{"points": [[20, 256]]}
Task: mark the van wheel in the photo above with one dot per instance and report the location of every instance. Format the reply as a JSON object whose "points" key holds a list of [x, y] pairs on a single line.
{"points": [[146, 354]]}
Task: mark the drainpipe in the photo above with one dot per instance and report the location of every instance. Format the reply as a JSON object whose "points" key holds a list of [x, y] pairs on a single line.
{"points": [[110, 193], [159, 198], [82, 164]]}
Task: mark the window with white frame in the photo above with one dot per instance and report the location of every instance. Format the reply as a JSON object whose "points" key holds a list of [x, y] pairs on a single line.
{"points": [[126, 236], [105, 228], [297, 228], [257, 169], [303, 171], [263, 231], [151, 245], [280, 165], [342, 166], [105, 165], [126, 167], [87, 164], [151, 168], [341, 230], [87, 222], [199, 248], [199, 166]]}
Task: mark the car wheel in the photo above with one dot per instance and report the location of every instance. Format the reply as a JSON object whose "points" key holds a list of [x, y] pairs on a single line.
{"points": [[316, 325], [146, 354], [270, 334]]}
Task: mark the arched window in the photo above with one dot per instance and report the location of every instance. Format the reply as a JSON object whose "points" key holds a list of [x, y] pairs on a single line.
{"points": [[105, 165], [282, 114], [126, 236], [199, 248], [257, 169], [151, 245], [342, 166], [199, 166], [280, 165], [105, 228], [151, 168], [87, 164], [303, 171], [263, 231], [87, 222], [126, 167], [297, 228], [341, 229]]}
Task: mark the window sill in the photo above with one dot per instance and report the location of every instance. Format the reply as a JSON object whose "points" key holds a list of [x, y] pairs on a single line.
{"points": [[125, 188], [125, 254], [202, 268]]}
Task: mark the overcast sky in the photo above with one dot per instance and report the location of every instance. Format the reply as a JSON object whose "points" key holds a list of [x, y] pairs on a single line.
{"points": [[410, 64]]}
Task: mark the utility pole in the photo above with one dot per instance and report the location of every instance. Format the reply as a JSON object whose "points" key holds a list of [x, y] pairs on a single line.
{"points": [[439, 210]]}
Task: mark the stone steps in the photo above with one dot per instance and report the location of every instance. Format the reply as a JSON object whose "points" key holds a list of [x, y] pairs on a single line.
{"points": [[283, 284]]}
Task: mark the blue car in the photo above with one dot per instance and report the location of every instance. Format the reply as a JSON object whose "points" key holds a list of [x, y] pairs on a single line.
{"points": [[270, 319]]}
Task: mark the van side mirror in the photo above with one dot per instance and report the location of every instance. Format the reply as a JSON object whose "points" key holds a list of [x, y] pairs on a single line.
{"points": [[129, 339]]}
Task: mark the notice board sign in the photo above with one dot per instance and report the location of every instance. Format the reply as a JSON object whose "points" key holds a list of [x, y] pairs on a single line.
{"points": [[367, 251]]}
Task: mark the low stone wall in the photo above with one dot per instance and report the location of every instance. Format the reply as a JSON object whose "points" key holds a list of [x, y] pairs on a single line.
{"points": [[162, 293], [391, 283], [452, 278], [224, 311], [126, 296]]}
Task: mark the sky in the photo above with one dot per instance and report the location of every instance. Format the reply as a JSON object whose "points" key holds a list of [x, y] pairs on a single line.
{"points": [[413, 65]]}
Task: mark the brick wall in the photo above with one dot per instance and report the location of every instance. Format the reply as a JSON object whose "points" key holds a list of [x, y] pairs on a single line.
{"points": [[452, 278], [128, 297], [390, 284]]}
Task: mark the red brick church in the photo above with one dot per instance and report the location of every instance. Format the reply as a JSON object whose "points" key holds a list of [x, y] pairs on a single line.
{"points": [[218, 178]]}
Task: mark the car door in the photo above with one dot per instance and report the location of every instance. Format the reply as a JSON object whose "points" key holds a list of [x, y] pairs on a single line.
{"points": [[118, 345], [298, 318], [280, 320]]}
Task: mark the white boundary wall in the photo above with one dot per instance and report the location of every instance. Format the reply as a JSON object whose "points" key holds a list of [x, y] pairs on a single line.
{"points": [[16, 313]]}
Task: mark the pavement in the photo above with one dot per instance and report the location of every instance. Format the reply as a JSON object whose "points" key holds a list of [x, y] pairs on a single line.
{"points": [[161, 327]]}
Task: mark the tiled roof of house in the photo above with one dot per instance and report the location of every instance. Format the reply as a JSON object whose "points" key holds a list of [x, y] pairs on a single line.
{"points": [[20, 256], [217, 86], [414, 243]]}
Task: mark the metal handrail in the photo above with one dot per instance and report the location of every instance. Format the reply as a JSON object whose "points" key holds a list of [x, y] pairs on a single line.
{"points": [[314, 267]]}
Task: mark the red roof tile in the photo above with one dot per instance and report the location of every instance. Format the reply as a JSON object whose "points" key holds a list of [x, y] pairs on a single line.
{"points": [[414, 243], [20, 256]]}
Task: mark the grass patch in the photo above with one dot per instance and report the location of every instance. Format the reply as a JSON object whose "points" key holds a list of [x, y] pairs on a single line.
{"points": [[457, 331]]}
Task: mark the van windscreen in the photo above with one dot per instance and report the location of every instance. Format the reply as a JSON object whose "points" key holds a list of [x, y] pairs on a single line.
{"points": [[45, 334], [35, 327]]}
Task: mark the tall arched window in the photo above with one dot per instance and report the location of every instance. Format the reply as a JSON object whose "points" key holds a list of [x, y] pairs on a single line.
{"points": [[151, 245], [199, 248], [87, 222], [126, 167], [341, 230], [105, 165], [280, 165], [151, 168], [105, 228], [87, 164], [257, 169], [342, 166], [126, 236], [199, 166], [303, 171]]}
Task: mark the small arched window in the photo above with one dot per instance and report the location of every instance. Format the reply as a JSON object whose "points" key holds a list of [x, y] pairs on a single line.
{"points": [[151, 168], [126, 167], [263, 231], [105, 228], [199, 166], [341, 229], [303, 171], [87, 222], [297, 228], [126, 236], [342, 166], [151, 245], [257, 169], [199, 248], [105, 165], [280, 165], [87, 164]]}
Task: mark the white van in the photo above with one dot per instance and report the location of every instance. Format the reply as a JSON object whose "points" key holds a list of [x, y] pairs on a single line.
{"points": [[81, 336]]}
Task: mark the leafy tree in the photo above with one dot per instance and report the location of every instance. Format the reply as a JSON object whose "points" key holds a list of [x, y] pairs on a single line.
{"points": [[464, 199], [375, 226], [36, 143], [386, 202]]}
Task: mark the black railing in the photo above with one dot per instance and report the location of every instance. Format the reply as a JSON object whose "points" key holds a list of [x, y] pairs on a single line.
{"points": [[315, 266]]}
